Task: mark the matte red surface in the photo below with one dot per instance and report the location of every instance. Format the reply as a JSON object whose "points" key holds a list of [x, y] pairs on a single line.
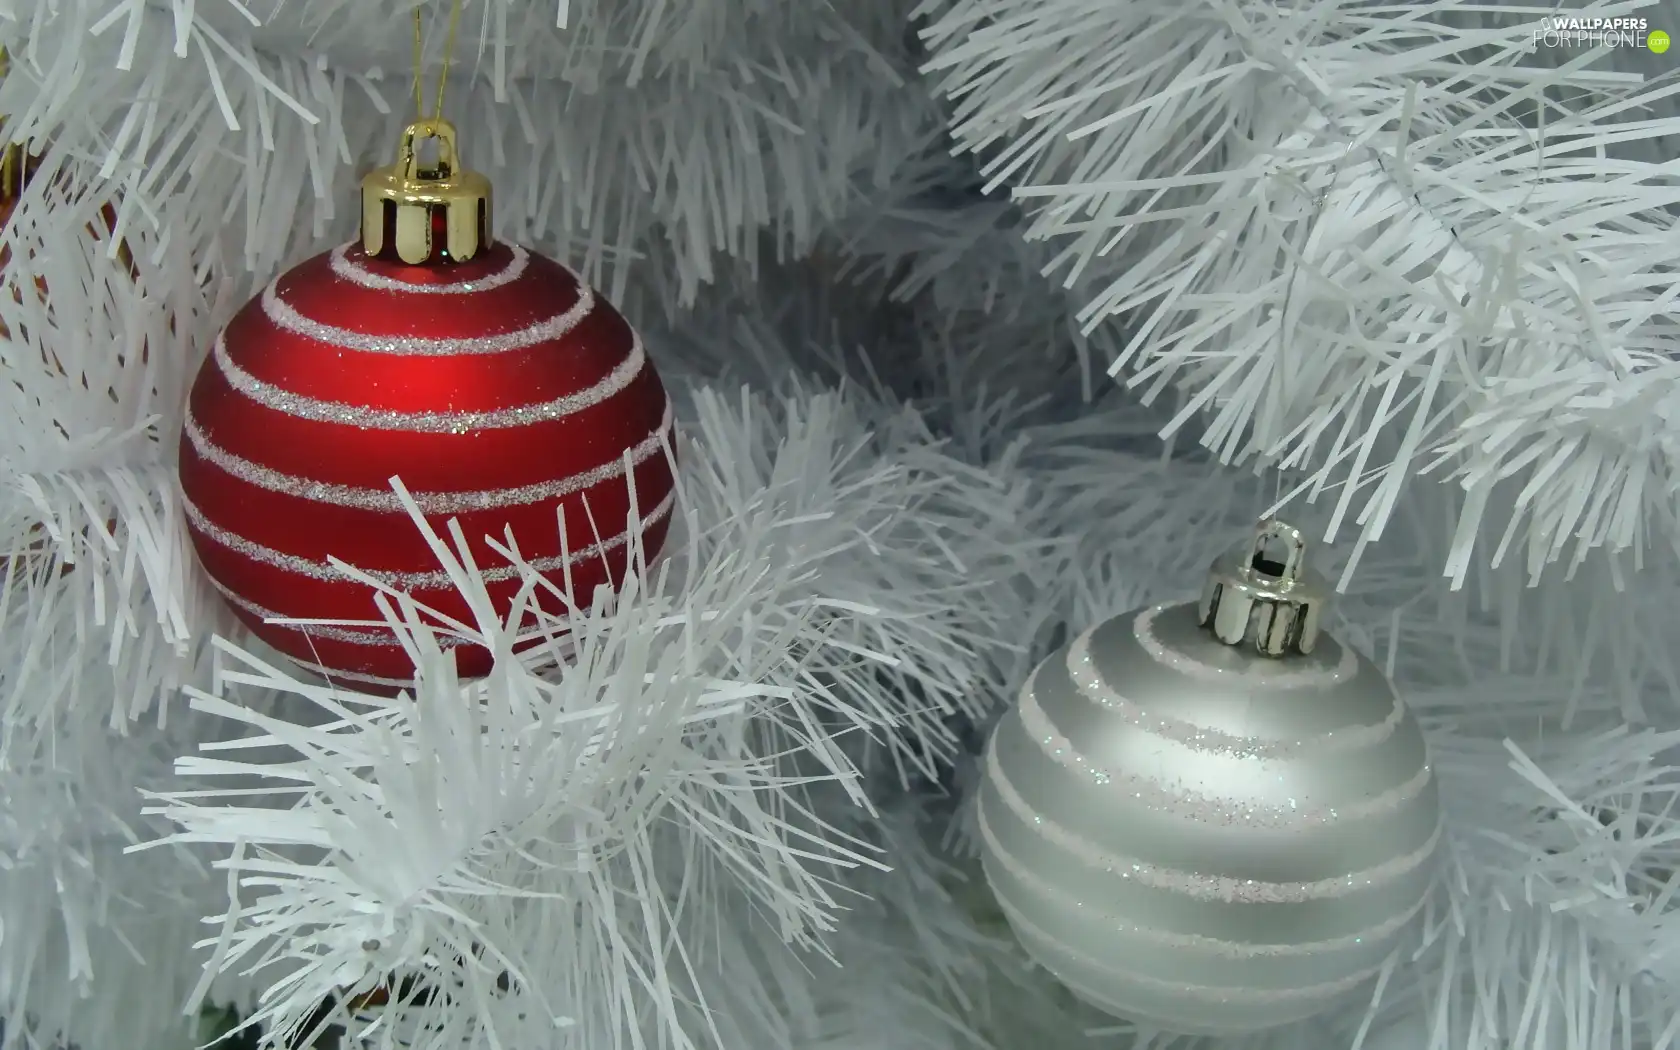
{"points": [[341, 454]]}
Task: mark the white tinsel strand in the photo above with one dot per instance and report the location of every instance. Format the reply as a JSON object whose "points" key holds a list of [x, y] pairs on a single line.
{"points": [[101, 593], [1486, 292], [1602, 622], [453, 835], [926, 549], [932, 239], [97, 945], [980, 592], [244, 140], [913, 967], [956, 559]]}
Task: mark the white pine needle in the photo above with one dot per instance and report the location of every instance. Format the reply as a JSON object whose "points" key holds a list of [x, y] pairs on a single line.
{"points": [[729, 806], [1397, 222]]}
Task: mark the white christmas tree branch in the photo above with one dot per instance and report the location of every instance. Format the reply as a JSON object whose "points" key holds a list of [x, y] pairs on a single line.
{"points": [[1370, 241], [673, 759], [238, 129]]}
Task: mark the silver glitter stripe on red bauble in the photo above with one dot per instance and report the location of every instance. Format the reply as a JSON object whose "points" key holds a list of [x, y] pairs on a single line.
{"points": [[435, 580], [347, 269], [370, 635], [286, 317], [297, 405], [386, 501]]}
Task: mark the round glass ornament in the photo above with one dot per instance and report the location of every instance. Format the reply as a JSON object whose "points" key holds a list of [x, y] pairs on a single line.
{"points": [[1211, 818]]}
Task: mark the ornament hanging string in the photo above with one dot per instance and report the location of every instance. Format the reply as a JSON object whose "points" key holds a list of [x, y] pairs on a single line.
{"points": [[420, 61], [1320, 202]]}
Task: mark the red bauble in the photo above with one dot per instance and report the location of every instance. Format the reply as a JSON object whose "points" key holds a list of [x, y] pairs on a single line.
{"points": [[502, 391]]}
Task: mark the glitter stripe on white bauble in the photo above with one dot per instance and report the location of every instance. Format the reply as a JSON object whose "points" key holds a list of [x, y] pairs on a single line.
{"points": [[1322, 732], [1141, 790], [347, 269], [284, 316], [386, 501], [1216, 664], [1181, 807], [1199, 938], [1085, 674], [1268, 953], [315, 410], [1022, 880], [437, 580], [1070, 851]]}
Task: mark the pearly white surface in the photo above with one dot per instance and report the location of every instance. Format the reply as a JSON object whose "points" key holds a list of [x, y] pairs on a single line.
{"points": [[1201, 839]]}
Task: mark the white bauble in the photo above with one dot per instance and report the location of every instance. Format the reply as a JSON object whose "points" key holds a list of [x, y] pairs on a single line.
{"points": [[1207, 818]]}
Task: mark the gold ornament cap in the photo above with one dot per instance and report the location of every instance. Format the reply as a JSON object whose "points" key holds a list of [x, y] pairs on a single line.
{"points": [[420, 214], [1263, 594]]}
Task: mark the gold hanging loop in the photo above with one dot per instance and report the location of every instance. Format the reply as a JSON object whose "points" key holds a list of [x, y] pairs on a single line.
{"points": [[420, 60]]}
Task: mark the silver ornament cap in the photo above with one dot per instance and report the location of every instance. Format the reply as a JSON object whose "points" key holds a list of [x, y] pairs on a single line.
{"points": [[1264, 594]]}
